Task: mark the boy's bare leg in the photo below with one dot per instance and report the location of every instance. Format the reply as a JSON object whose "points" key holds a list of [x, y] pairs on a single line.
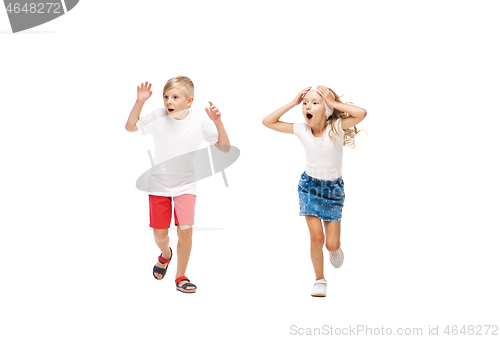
{"points": [[185, 235], [332, 234], [162, 240], [317, 241]]}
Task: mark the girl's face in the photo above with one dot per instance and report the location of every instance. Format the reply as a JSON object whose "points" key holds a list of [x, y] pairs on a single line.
{"points": [[313, 109]]}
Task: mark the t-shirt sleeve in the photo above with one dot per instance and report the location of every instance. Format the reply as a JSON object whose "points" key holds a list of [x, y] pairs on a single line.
{"points": [[299, 129], [145, 123], [210, 133]]}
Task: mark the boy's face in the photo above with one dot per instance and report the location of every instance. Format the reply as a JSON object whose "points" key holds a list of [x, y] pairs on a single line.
{"points": [[313, 109], [176, 101]]}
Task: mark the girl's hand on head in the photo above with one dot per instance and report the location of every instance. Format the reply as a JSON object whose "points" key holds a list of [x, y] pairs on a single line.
{"points": [[144, 92], [327, 95], [298, 99], [213, 113]]}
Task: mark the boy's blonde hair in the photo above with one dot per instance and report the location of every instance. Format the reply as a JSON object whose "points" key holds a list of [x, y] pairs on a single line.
{"points": [[349, 134], [180, 82]]}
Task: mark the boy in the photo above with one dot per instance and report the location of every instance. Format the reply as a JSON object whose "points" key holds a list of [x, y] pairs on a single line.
{"points": [[176, 130]]}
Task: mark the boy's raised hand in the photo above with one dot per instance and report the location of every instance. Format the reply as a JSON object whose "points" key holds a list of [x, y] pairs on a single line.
{"points": [[298, 99], [144, 92], [213, 112]]}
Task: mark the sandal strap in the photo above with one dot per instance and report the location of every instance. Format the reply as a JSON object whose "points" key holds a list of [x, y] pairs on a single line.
{"points": [[163, 260], [180, 279], [157, 269], [188, 285]]}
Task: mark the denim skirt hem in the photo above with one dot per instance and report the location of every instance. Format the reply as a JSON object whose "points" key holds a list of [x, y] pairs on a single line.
{"points": [[319, 217]]}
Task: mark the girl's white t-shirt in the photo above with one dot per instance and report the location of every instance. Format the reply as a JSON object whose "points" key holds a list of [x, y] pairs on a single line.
{"points": [[323, 154], [173, 138]]}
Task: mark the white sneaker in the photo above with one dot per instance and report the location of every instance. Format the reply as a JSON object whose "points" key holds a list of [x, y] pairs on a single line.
{"points": [[319, 288], [337, 258]]}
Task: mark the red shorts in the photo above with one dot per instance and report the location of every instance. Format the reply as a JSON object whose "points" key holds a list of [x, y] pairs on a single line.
{"points": [[160, 210]]}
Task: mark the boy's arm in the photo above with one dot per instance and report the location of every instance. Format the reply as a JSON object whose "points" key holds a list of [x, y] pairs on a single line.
{"points": [[143, 93], [215, 116], [134, 117], [223, 138]]}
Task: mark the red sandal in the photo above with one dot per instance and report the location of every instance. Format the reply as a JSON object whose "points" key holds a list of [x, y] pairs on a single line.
{"points": [[160, 270]]}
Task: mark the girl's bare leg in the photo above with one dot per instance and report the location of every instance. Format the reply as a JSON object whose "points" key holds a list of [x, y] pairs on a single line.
{"points": [[317, 241], [332, 234]]}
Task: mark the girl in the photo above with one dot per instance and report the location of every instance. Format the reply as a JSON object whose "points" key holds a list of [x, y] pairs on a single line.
{"points": [[330, 124]]}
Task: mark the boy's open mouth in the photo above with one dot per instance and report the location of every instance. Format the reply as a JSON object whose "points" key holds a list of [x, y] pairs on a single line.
{"points": [[170, 109], [309, 116]]}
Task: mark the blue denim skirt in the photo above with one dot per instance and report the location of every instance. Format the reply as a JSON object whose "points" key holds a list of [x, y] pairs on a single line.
{"points": [[321, 198]]}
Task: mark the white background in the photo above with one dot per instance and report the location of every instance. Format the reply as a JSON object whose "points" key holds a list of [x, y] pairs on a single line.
{"points": [[419, 229]]}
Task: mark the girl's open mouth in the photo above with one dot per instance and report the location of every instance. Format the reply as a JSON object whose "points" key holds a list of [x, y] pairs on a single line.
{"points": [[309, 116]]}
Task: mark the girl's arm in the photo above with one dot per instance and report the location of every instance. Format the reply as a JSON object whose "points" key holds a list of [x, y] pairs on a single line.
{"points": [[356, 113], [272, 120]]}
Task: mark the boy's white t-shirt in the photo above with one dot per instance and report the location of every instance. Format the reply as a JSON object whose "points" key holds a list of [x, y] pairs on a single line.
{"points": [[173, 138], [323, 154]]}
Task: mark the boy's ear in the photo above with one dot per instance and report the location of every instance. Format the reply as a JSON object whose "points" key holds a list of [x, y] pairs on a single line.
{"points": [[190, 101]]}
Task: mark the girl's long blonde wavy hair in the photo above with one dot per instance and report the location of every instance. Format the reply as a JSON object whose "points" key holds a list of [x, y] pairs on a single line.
{"points": [[349, 134]]}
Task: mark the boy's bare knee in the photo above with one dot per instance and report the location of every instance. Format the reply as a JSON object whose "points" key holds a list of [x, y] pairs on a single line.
{"points": [[184, 231], [184, 227], [160, 234]]}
